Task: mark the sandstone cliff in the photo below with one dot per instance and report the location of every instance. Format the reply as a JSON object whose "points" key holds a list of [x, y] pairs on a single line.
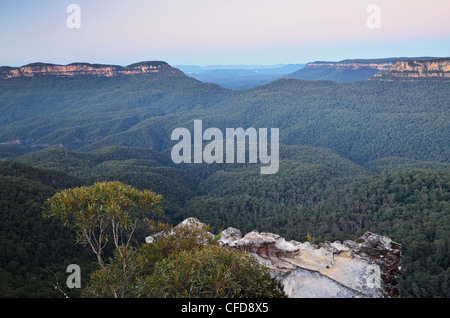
{"points": [[74, 69], [361, 69], [364, 268], [438, 68]]}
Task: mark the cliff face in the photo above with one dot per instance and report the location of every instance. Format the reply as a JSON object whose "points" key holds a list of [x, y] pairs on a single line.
{"points": [[364, 268], [439, 68], [42, 69], [362, 69]]}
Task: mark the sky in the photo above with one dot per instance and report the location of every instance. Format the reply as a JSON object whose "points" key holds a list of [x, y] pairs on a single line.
{"points": [[226, 32]]}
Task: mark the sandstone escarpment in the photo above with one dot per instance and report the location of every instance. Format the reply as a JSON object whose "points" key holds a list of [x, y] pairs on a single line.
{"points": [[438, 68], [74, 69]]}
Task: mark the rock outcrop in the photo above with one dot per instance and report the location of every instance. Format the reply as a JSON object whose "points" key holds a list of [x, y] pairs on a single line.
{"points": [[190, 224], [74, 69], [437, 68], [364, 268]]}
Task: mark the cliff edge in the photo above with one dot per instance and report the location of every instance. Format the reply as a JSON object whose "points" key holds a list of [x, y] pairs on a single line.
{"points": [[364, 268], [437, 68], [74, 69]]}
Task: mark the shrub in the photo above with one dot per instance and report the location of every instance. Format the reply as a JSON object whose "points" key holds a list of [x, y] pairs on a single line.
{"points": [[210, 272]]}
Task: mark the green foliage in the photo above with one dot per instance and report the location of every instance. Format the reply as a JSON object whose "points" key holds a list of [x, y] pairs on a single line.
{"points": [[336, 74], [142, 168], [393, 164], [183, 262], [34, 252], [210, 272], [315, 192], [169, 239], [362, 121], [117, 278], [350, 160], [102, 211], [412, 207]]}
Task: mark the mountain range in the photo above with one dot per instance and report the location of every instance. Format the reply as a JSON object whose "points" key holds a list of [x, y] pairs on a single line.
{"points": [[239, 76], [364, 155], [88, 112], [356, 69], [248, 76]]}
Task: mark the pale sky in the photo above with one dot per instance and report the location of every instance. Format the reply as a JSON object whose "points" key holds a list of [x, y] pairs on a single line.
{"points": [[209, 32]]}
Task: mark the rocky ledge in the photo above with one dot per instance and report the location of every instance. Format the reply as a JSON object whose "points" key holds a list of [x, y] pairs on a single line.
{"points": [[364, 268]]}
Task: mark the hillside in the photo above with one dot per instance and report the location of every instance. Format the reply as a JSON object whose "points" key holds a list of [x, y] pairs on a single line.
{"points": [[33, 249], [354, 157], [361, 121], [239, 76], [143, 168], [316, 195], [79, 110]]}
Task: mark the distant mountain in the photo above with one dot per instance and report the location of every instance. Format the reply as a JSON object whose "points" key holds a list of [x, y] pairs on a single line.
{"points": [[350, 156], [45, 69], [239, 76], [436, 68], [348, 70], [203, 68], [361, 121]]}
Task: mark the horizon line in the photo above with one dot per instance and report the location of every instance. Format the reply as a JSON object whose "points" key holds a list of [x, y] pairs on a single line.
{"points": [[218, 65]]}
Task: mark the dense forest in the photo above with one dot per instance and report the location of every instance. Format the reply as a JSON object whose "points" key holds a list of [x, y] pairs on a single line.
{"points": [[34, 252], [362, 121], [316, 195], [354, 157]]}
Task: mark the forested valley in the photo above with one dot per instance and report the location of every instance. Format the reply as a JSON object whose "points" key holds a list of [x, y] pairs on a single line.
{"points": [[354, 157]]}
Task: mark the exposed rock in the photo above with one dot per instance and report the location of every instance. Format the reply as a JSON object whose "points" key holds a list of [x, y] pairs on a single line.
{"points": [[74, 69], [374, 69], [188, 224], [364, 268], [438, 68]]}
